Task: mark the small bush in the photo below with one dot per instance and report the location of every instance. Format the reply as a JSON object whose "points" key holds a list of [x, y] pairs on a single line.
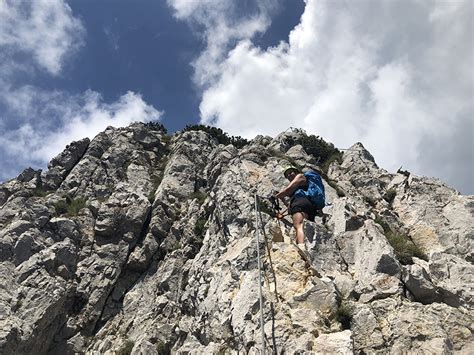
{"points": [[156, 126], [200, 196], [163, 348], [126, 348], [404, 247], [39, 192], [344, 315], [382, 222], [200, 227], [334, 157], [221, 136], [70, 206], [166, 139], [401, 243], [76, 205], [318, 147]]}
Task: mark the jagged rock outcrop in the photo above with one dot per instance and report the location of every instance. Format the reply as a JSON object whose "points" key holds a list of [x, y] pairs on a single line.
{"points": [[143, 243]]}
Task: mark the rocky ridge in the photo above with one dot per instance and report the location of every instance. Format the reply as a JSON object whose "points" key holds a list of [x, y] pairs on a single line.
{"points": [[143, 243]]}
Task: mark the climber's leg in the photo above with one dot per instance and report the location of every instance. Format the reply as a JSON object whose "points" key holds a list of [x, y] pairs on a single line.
{"points": [[298, 219]]}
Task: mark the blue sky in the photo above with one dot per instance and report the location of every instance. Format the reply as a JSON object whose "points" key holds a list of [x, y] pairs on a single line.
{"points": [[396, 75]]}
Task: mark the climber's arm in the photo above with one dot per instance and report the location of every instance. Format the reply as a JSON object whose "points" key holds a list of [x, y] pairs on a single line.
{"points": [[299, 180]]}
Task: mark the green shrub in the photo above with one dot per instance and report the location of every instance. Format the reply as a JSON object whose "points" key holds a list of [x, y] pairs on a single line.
{"points": [[221, 136], [404, 247], [382, 222], [39, 192], [156, 126], [70, 206], [401, 243], [126, 348], [200, 196], [166, 139], [200, 227], [319, 148], [163, 348], [332, 158], [344, 315]]}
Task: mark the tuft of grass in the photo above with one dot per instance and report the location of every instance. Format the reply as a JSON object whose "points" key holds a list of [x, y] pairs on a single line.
{"points": [[163, 348], [200, 196], [404, 247], [126, 348], [401, 243], [382, 222], [40, 192], [200, 227], [344, 315], [390, 195], [70, 206]]}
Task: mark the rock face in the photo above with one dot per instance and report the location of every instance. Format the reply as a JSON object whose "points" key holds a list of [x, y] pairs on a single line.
{"points": [[141, 243]]}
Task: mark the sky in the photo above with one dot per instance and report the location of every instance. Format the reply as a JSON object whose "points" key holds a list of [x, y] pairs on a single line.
{"points": [[396, 75]]}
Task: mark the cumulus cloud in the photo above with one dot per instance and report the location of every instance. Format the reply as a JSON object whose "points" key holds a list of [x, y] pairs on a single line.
{"points": [[70, 118], [43, 29], [36, 124], [221, 23], [396, 75]]}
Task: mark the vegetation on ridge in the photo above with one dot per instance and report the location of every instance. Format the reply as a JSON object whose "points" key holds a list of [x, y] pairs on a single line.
{"points": [[221, 136], [156, 126], [319, 148]]}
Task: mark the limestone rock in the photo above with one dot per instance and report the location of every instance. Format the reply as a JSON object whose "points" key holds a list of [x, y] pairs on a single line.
{"points": [[138, 242]]}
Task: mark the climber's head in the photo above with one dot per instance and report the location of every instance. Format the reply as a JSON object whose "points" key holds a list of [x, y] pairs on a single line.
{"points": [[290, 172]]}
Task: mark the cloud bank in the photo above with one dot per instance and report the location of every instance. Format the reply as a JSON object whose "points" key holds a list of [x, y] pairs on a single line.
{"points": [[42, 36], [395, 75]]}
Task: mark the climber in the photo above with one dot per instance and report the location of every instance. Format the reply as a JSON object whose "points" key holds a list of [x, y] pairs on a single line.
{"points": [[306, 192]]}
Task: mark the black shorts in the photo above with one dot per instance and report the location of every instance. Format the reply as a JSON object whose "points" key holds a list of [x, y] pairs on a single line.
{"points": [[303, 204]]}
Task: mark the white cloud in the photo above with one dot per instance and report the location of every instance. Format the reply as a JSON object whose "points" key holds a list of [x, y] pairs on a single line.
{"points": [[36, 124], [71, 118], [221, 22], [392, 74], [44, 29]]}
